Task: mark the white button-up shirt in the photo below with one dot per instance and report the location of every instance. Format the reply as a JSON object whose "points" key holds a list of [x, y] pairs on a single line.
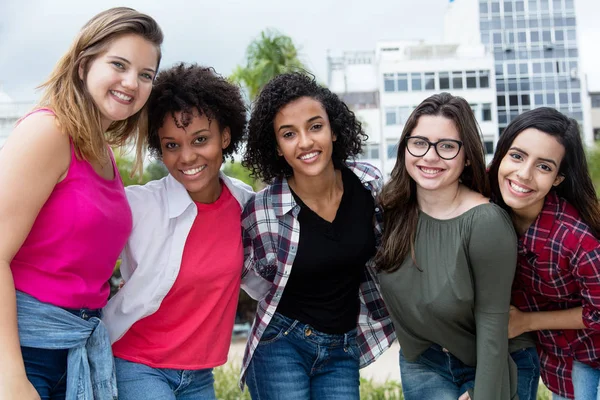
{"points": [[163, 214]]}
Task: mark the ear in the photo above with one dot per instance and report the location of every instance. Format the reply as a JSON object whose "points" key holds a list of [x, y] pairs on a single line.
{"points": [[333, 137], [467, 163], [558, 180], [279, 152], [81, 69], [225, 138]]}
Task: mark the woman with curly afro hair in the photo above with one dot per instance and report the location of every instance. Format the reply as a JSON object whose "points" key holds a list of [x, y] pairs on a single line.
{"points": [[172, 321], [311, 234]]}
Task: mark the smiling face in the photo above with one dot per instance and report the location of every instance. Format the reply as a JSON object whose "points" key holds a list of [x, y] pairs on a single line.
{"points": [[529, 170], [431, 172], [194, 154], [304, 137], [120, 79]]}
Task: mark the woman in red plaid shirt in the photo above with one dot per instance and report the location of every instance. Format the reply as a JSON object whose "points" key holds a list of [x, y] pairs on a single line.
{"points": [[540, 175]]}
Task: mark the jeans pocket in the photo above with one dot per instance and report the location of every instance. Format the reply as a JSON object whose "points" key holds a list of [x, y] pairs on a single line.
{"points": [[352, 349], [274, 332]]}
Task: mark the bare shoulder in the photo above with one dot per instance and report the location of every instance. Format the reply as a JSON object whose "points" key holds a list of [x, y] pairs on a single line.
{"points": [[39, 142]]}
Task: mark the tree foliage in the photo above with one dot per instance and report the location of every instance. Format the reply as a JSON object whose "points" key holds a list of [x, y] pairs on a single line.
{"points": [[267, 56]]}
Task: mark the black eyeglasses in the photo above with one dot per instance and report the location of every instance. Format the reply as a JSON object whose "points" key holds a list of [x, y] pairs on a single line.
{"points": [[447, 149]]}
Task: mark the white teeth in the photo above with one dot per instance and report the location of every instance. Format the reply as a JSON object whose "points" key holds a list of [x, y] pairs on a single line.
{"points": [[122, 96], [430, 171], [519, 189], [193, 171], [309, 155]]}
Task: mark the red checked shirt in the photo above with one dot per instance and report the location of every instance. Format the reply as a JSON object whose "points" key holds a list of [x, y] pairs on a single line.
{"points": [[271, 235], [559, 268]]}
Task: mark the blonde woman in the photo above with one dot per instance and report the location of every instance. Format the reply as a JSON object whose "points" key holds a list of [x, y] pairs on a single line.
{"points": [[64, 217]]}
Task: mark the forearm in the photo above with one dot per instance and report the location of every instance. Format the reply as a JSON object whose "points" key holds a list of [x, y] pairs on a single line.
{"points": [[555, 320], [11, 360]]}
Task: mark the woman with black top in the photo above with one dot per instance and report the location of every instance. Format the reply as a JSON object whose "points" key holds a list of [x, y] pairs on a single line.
{"points": [[312, 233]]}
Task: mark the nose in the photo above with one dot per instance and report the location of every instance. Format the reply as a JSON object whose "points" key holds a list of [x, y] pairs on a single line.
{"points": [[431, 154], [187, 155], [305, 141], [130, 80], [524, 172]]}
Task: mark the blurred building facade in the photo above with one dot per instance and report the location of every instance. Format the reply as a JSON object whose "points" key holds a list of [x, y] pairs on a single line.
{"points": [[10, 112]]}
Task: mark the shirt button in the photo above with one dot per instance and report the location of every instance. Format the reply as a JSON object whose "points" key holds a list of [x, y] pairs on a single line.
{"points": [[308, 332]]}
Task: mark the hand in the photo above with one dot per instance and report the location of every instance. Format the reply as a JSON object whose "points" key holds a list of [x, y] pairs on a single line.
{"points": [[18, 389], [465, 396], [517, 322]]}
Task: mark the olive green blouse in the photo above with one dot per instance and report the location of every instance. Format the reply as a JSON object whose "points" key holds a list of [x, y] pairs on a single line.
{"points": [[458, 294]]}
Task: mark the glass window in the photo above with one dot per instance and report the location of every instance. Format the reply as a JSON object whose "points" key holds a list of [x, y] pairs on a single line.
{"points": [[539, 99], [499, 69], [557, 5], [471, 79], [497, 37], [501, 101], [533, 23], [559, 35], [569, 5], [575, 98], [544, 6], [508, 23], [513, 100], [415, 81], [370, 151], [534, 36], [489, 146], [507, 6], [483, 9], [512, 85], [570, 21], [403, 114], [390, 116], [444, 80], [523, 69], [495, 7], [519, 6], [550, 99], [388, 83], [402, 81], [392, 149], [538, 85], [573, 53], [549, 67], [429, 80], [525, 100], [521, 38], [484, 79], [595, 100], [511, 69], [457, 80], [510, 36], [571, 35], [558, 22], [546, 36], [502, 117], [486, 110], [532, 5], [524, 85], [563, 98]]}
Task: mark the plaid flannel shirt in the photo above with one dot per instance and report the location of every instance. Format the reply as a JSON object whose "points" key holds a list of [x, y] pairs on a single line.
{"points": [[271, 235], [558, 269]]}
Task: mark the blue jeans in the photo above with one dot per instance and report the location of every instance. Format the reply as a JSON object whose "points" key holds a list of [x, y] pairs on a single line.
{"points": [[139, 381], [586, 381], [528, 369], [47, 369], [295, 362], [436, 375]]}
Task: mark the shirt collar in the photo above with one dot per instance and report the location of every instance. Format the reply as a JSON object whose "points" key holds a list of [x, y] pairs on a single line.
{"points": [[538, 233], [179, 199], [283, 201]]}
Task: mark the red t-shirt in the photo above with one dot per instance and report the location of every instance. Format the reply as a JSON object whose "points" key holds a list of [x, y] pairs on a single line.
{"points": [[193, 326]]}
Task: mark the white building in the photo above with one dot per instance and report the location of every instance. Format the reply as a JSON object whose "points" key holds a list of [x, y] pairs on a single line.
{"points": [[10, 112], [400, 75]]}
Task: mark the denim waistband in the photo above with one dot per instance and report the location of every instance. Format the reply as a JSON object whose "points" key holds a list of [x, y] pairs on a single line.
{"points": [[307, 332], [85, 313]]}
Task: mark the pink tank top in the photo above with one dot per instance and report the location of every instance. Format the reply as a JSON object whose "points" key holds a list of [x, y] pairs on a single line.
{"points": [[70, 252]]}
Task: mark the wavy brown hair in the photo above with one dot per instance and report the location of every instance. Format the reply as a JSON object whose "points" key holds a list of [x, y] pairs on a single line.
{"points": [[577, 188], [65, 92], [398, 197]]}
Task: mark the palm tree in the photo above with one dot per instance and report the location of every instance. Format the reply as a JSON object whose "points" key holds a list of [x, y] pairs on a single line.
{"points": [[269, 55]]}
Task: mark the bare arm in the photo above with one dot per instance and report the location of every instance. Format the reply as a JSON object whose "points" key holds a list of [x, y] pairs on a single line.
{"points": [[521, 322], [32, 161]]}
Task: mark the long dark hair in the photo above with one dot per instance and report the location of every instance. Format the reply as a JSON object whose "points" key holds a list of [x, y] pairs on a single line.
{"points": [[398, 197], [577, 187]]}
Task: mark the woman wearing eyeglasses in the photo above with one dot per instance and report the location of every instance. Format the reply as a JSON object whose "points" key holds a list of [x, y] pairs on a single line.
{"points": [[447, 260]]}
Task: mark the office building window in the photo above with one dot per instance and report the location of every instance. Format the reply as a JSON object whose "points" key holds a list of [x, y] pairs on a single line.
{"points": [[457, 80], [563, 98], [575, 98], [484, 79], [416, 82], [402, 82], [501, 101], [403, 114], [489, 146], [392, 149], [486, 111], [429, 80], [595, 100], [390, 116], [471, 79], [370, 151], [525, 100], [389, 83], [444, 80]]}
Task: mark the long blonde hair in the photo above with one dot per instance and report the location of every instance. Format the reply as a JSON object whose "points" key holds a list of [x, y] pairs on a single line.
{"points": [[65, 93]]}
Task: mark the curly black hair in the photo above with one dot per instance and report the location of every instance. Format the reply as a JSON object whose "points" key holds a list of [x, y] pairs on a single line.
{"points": [[261, 150], [185, 87]]}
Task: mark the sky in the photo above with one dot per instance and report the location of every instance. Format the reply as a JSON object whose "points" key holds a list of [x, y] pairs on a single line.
{"points": [[35, 33]]}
